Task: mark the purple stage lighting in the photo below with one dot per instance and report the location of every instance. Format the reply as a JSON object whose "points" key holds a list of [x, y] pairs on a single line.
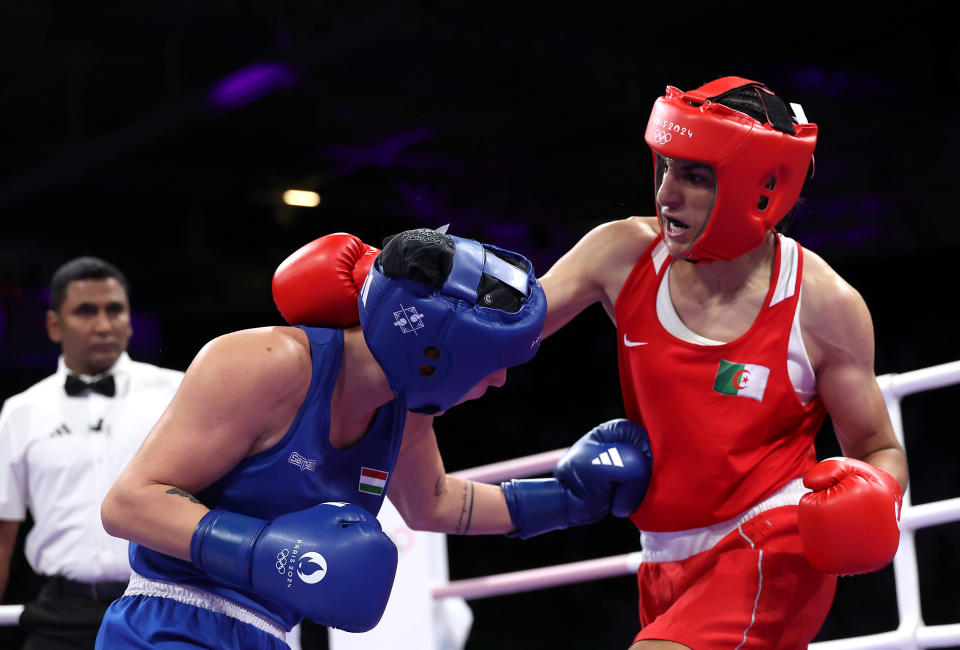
{"points": [[250, 84]]}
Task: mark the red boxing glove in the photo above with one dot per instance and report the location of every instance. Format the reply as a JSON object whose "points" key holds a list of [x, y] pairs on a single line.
{"points": [[850, 523], [319, 283]]}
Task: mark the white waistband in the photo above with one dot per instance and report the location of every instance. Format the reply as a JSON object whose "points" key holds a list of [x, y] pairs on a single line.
{"points": [[187, 594], [681, 544]]}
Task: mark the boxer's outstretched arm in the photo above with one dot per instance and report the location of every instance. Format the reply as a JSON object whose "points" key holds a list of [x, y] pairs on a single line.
{"points": [[429, 499], [595, 269], [240, 390]]}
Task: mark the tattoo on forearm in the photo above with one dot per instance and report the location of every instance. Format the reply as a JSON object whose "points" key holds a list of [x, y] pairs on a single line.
{"points": [[466, 511], [183, 493], [440, 486]]}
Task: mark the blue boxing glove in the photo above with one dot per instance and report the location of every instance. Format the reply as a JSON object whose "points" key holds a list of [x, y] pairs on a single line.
{"points": [[331, 563], [607, 469], [597, 465]]}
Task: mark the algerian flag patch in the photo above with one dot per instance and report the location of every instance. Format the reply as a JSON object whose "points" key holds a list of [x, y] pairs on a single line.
{"points": [[372, 481], [743, 379]]}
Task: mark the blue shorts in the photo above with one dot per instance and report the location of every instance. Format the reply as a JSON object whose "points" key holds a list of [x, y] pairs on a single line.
{"points": [[153, 622]]}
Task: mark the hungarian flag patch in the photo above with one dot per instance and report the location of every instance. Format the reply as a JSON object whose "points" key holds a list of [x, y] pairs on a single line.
{"points": [[372, 481], [742, 379]]}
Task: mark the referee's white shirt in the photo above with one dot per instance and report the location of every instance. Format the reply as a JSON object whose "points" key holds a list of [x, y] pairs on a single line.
{"points": [[59, 455]]}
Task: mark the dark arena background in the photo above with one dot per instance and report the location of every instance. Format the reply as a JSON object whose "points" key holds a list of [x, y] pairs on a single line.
{"points": [[161, 137]]}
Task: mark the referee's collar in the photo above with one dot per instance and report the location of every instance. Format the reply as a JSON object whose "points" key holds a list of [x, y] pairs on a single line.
{"points": [[119, 369]]}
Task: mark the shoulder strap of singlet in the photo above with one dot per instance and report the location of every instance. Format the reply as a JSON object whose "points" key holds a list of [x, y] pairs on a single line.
{"points": [[655, 252], [788, 275], [326, 350], [659, 254]]}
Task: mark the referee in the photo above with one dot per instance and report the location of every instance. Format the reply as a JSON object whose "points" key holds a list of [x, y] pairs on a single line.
{"points": [[63, 441]]}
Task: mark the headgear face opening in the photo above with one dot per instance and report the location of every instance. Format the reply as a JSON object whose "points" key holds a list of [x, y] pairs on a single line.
{"points": [[434, 345], [760, 167]]}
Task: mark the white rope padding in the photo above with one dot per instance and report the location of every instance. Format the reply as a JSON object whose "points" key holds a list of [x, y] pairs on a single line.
{"points": [[10, 614], [542, 463], [542, 578]]}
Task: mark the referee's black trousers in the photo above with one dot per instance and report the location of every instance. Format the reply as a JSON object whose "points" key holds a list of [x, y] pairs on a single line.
{"points": [[66, 615]]}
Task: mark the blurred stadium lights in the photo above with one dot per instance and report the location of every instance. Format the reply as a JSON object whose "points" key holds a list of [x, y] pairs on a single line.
{"points": [[301, 198]]}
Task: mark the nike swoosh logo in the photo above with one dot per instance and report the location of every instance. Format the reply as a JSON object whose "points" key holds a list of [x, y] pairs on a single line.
{"points": [[632, 344]]}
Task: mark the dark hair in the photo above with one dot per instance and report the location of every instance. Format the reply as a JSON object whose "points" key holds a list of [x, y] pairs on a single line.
{"points": [[761, 105], [82, 268], [426, 256], [768, 108]]}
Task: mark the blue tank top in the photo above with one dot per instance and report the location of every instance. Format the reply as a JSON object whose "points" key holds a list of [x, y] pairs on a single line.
{"points": [[300, 471]]}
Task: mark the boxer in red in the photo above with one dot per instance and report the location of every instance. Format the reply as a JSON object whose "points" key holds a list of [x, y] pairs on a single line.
{"points": [[734, 342]]}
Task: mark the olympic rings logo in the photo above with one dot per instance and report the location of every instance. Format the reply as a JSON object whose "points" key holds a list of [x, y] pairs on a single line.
{"points": [[282, 561], [662, 137]]}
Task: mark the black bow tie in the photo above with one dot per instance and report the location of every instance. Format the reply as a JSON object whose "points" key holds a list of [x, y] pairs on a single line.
{"points": [[76, 386]]}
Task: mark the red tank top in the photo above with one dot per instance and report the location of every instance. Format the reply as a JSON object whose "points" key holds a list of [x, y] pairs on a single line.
{"points": [[726, 426]]}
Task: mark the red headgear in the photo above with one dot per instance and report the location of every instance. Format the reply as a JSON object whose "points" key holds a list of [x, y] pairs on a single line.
{"points": [[760, 167]]}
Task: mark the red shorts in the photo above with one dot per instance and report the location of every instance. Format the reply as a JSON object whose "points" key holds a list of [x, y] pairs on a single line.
{"points": [[754, 589]]}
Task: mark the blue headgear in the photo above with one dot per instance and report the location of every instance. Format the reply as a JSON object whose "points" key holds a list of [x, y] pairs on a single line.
{"points": [[406, 322]]}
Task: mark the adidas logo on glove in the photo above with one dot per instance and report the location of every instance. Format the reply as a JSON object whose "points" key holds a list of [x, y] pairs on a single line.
{"points": [[610, 457]]}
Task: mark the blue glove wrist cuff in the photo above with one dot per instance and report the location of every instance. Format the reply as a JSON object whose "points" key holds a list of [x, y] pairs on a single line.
{"points": [[536, 506], [222, 545]]}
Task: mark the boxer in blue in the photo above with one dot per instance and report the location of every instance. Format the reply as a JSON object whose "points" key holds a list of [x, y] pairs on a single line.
{"points": [[252, 503]]}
